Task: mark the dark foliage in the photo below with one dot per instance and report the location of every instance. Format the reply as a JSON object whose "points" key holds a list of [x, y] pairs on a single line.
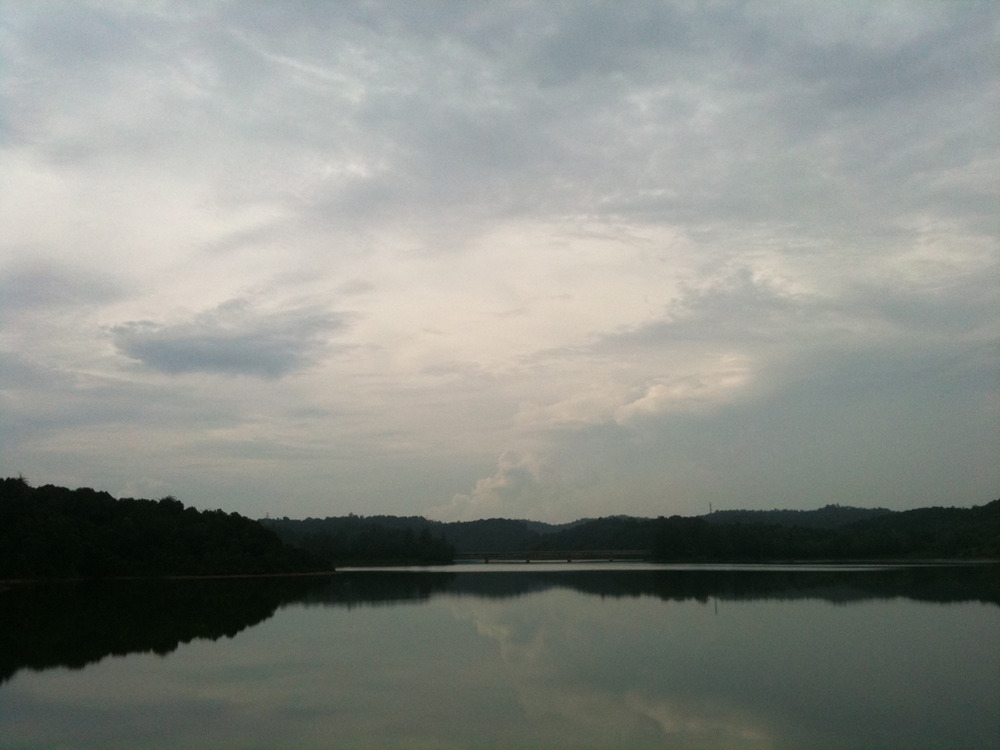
{"points": [[827, 517], [612, 533], [492, 535], [336, 537], [357, 540], [927, 533], [333, 536], [830, 533], [55, 532]]}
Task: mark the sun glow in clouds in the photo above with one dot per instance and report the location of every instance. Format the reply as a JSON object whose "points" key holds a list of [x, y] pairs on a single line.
{"points": [[518, 259]]}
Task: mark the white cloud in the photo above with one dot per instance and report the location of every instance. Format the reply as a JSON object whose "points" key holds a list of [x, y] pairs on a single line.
{"points": [[632, 242], [505, 494], [706, 388]]}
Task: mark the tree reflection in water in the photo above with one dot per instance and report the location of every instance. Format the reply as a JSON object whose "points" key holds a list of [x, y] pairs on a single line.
{"points": [[75, 624]]}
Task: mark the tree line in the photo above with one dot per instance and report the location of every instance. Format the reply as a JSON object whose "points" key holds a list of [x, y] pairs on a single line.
{"points": [[833, 532], [55, 532], [352, 539], [762, 536], [929, 533]]}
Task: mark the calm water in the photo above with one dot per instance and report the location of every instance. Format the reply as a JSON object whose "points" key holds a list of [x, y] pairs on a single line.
{"points": [[521, 656]]}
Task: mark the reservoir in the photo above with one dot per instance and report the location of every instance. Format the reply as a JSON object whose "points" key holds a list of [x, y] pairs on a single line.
{"points": [[570, 655]]}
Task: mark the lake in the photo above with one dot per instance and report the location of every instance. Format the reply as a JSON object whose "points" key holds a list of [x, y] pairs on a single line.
{"points": [[576, 655]]}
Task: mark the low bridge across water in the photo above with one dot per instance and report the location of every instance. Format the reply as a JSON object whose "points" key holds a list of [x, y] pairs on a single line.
{"points": [[527, 556]]}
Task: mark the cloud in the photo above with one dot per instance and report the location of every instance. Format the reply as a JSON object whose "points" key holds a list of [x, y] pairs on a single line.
{"points": [[232, 339], [684, 393], [507, 493], [37, 285], [657, 247]]}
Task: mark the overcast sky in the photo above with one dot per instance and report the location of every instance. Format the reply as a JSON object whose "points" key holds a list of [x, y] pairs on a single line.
{"points": [[539, 260]]}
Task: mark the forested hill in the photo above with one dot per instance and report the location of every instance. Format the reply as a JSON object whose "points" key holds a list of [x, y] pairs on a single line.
{"points": [[829, 533], [827, 517], [353, 540], [347, 539], [55, 532], [923, 533]]}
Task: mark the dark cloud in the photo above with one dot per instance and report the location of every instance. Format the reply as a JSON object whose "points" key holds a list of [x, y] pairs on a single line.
{"points": [[602, 39], [232, 339], [17, 372], [40, 284], [745, 312], [963, 308]]}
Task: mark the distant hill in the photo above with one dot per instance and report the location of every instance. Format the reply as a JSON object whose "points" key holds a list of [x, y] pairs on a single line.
{"points": [[925, 533], [830, 533], [827, 517], [611, 533], [335, 536], [55, 532], [351, 540]]}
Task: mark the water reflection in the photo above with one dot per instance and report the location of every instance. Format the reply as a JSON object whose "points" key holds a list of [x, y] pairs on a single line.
{"points": [[554, 657], [75, 624], [72, 625], [938, 583]]}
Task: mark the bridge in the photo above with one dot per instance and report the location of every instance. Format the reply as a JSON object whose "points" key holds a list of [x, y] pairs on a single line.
{"points": [[528, 556]]}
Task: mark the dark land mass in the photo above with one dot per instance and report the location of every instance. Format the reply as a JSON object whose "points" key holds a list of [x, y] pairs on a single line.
{"points": [[75, 623], [53, 532], [358, 540], [831, 533], [924, 533], [827, 517]]}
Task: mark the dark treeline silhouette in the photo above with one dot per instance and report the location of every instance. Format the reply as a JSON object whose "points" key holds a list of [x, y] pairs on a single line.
{"points": [[349, 540], [612, 533], [334, 536], [344, 538], [55, 532], [72, 624], [493, 534], [827, 517], [829, 533], [52, 531], [927, 533]]}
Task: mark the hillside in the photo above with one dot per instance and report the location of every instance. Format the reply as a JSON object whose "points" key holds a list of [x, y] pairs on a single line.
{"points": [[925, 533], [55, 532], [352, 540], [829, 533], [827, 517]]}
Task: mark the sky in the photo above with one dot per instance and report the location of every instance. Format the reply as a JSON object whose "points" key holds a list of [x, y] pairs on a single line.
{"points": [[546, 260]]}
